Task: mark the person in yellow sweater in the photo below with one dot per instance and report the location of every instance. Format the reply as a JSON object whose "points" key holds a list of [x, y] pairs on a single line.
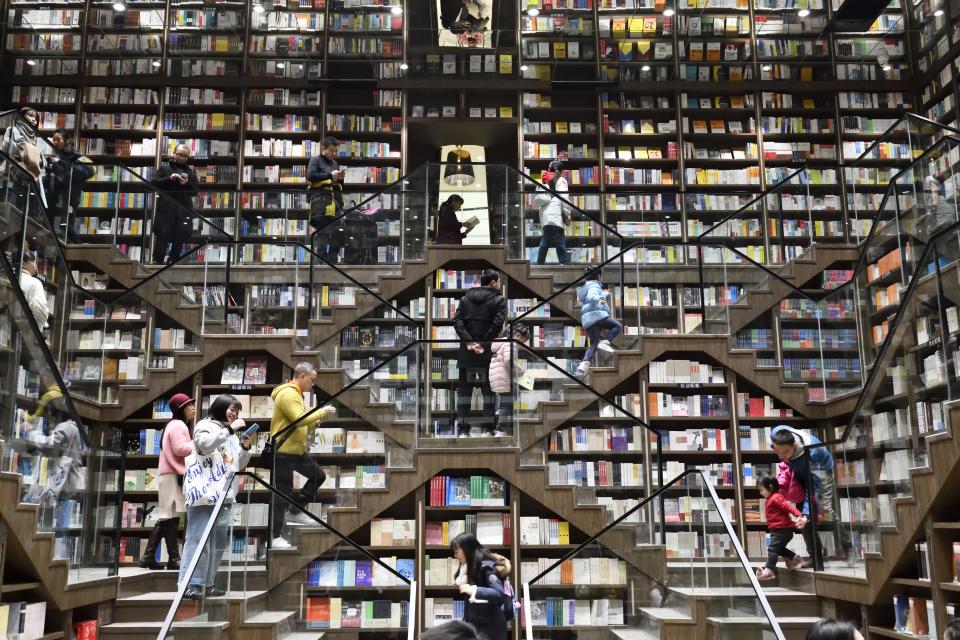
{"points": [[291, 450]]}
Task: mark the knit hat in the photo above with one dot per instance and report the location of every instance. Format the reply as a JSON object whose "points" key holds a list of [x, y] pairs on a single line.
{"points": [[179, 401]]}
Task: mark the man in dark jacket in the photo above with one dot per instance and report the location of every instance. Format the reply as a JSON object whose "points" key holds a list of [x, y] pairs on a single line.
{"points": [[326, 199], [478, 321], [67, 171], [173, 222]]}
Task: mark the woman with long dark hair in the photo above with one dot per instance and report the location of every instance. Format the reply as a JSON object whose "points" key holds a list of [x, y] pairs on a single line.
{"points": [[449, 229], [480, 579], [21, 144], [833, 630], [216, 432]]}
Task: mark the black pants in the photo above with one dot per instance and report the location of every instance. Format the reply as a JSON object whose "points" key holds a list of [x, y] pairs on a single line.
{"points": [[286, 464], [503, 412], [160, 245], [779, 539], [471, 378], [330, 234]]}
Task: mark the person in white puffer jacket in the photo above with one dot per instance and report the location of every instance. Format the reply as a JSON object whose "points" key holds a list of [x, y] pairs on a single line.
{"points": [[504, 369], [552, 214]]}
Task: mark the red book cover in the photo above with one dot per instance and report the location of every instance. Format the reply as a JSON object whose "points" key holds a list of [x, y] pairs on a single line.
{"points": [[318, 613], [432, 501], [85, 630], [443, 490], [506, 529], [756, 407]]}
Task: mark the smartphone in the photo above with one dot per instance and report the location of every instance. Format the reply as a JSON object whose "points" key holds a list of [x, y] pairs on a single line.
{"points": [[252, 429]]}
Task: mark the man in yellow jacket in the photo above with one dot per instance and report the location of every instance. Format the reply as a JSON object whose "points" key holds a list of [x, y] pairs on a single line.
{"points": [[291, 450]]}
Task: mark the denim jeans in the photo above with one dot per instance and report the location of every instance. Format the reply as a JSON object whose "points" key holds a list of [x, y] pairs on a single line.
{"points": [[553, 237], [205, 574], [595, 334]]}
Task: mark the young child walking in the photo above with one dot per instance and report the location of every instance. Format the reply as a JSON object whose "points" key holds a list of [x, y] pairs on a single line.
{"points": [[595, 317], [783, 519]]}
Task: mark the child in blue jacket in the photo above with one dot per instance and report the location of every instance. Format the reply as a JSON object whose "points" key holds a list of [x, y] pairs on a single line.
{"points": [[595, 317]]}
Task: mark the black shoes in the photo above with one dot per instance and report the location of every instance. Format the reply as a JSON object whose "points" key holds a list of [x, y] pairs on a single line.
{"points": [[199, 593], [150, 563], [214, 592], [193, 593]]}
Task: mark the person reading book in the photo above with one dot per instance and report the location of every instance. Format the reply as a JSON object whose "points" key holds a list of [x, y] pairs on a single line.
{"points": [[783, 519], [449, 229], [291, 450]]}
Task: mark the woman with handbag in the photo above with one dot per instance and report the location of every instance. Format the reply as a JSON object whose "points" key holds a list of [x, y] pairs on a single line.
{"points": [[20, 144], [554, 214], [217, 454], [175, 446]]}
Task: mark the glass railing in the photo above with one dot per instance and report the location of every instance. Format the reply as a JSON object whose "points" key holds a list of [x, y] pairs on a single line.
{"points": [[71, 473], [658, 567], [225, 562], [904, 402]]}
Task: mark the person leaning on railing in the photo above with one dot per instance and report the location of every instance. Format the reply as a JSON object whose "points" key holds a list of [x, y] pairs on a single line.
{"points": [[66, 175], [291, 450], [173, 223], [21, 143]]}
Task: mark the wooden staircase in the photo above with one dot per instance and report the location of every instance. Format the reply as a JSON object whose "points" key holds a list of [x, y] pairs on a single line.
{"points": [[764, 295], [109, 260]]}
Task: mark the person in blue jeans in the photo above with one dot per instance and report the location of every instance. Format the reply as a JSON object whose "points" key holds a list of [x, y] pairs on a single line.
{"points": [[819, 484], [595, 317], [552, 216]]}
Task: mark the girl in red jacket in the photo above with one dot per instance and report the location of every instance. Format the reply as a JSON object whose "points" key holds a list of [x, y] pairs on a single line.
{"points": [[783, 519]]}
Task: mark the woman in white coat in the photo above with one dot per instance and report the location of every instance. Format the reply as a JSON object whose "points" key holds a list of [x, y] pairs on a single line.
{"points": [[552, 210]]}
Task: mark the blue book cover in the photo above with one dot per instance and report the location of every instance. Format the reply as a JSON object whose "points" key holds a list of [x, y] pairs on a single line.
{"points": [[364, 573]]}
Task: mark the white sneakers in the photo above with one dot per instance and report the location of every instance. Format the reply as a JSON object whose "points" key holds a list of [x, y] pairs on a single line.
{"points": [[301, 519], [279, 544], [583, 369], [604, 345]]}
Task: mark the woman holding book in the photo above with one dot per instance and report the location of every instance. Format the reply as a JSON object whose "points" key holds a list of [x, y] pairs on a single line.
{"points": [[449, 228], [214, 434], [175, 446], [480, 579]]}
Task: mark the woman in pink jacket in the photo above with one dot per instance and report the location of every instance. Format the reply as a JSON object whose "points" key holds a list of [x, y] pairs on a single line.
{"points": [[175, 445], [503, 372]]}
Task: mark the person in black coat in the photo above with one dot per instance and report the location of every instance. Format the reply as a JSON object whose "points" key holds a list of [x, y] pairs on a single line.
{"points": [[449, 228], [173, 222], [480, 579], [478, 321], [67, 171], [326, 199]]}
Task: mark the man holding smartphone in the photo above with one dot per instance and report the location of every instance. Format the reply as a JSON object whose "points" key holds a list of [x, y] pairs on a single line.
{"points": [[177, 183], [291, 451], [326, 199]]}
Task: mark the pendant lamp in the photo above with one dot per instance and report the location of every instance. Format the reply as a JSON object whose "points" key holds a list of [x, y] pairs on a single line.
{"points": [[459, 169]]}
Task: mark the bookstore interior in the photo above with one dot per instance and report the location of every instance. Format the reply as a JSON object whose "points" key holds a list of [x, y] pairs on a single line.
{"points": [[569, 319]]}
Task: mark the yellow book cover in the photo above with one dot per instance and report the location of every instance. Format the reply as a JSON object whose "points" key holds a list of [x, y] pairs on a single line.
{"points": [[618, 28], [222, 44], [696, 51], [808, 103], [506, 112], [561, 127], [806, 74], [736, 102], [559, 50], [641, 153], [647, 127], [445, 532], [623, 153], [217, 120], [654, 153], [563, 527], [506, 63], [643, 48], [718, 126], [635, 26]]}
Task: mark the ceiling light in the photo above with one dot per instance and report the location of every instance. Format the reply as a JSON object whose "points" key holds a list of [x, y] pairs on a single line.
{"points": [[766, 67], [404, 66], [31, 62], [119, 6], [668, 12], [645, 67], [280, 65], [257, 7], [887, 67], [396, 11], [803, 13], [523, 67], [533, 12], [938, 13], [156, 63]]}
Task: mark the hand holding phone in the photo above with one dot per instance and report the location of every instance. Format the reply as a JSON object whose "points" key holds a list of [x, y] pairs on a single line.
{"points": [[252, 429]]}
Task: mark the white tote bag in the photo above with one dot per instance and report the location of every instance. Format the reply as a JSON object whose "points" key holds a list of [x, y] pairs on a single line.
{"points": [[207, 477]]}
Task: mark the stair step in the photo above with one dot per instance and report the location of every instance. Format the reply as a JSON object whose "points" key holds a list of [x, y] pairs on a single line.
{"points": [[666, 614], [150, 630], [269, 618], [633, 634], [793, 627], [303, 635]]}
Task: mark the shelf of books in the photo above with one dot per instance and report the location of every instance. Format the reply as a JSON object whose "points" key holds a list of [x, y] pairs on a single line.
{"points": [[288, 42], [879, 53], [45, 39], [558, 40], [865, 118], [461, 502], [125, 43], [791, 40], [714, 41], [366, 38], [205, 41], [636, 40]]}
